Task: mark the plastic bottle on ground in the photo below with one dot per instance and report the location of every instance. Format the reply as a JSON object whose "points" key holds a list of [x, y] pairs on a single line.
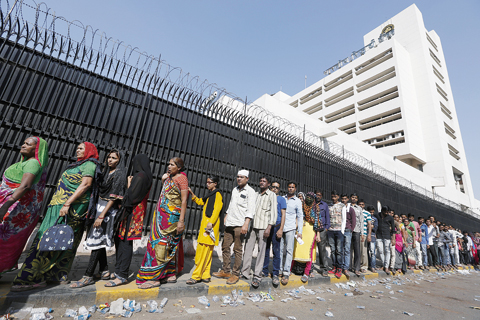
{"points": [[152, 306], [329, 314], [163, 303], [138, 307], [38, 316], [82, 317], [82, 310], [348, 294], [203, 300], [216, 299], [41, 310], [92, 309], [70, 313], [105, 310]]}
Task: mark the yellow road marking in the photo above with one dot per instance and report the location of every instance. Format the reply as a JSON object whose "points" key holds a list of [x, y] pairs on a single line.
{"points": [[126, 291]]}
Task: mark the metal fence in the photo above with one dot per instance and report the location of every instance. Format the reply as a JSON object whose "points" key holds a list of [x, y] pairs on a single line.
{"points": [[69, 91]]}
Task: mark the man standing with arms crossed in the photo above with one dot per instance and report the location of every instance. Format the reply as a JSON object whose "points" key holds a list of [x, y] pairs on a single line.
{"points": [[237, 218], [276, 236], [263, 223]]}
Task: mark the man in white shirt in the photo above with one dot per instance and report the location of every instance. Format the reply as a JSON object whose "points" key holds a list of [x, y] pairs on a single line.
{"points": [[237, 218], [454, 250]]}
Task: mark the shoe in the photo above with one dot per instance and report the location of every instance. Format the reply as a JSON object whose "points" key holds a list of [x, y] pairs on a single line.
{"points": [[285, 280], [338, 273], [222, 274], [333, 271], [324, 273], [275, 281], [233, 279]]}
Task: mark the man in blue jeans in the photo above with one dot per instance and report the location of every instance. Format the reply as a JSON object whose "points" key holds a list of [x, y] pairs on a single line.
{"points": [[293, 224], [424, 241], [350, 223], [372, 241], [335, 235], [275, 236]]}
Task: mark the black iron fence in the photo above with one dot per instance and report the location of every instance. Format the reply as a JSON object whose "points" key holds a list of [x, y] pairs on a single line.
{"points": [[66, 92]]}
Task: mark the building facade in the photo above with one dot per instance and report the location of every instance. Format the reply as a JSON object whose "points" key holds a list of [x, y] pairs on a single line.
{"points": [[393, 95]]}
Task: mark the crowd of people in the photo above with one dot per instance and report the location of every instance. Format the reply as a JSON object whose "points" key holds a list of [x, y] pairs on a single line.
{"points": [[109, 204]]}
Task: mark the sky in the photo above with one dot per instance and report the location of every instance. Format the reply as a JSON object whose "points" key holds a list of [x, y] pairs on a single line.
{"points": [[256, 47]]}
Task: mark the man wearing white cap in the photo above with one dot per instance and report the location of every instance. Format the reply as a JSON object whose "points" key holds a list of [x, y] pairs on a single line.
{"points": [[237, 218]]}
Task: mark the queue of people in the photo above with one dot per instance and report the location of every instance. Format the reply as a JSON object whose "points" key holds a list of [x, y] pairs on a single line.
{"points": [[109, 205]]}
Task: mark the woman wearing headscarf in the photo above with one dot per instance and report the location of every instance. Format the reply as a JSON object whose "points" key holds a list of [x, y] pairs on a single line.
{"points": [[100, 236], [209, 230], [130, 217], [21, 196], [76, 193], [306, 253], [168, 223]]}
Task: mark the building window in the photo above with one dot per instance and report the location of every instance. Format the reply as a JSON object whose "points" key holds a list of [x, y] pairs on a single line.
{"points": [[458, 176]]}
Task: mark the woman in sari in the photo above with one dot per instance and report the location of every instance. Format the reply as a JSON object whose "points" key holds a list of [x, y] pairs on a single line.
{"points": [[21, 195], [130, 217], [410, 252], [209, 230], [306, 253], [100, 237], [71, 200], [164, 246]]}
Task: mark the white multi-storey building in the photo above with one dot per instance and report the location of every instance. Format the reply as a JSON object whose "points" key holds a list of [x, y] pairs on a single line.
{"points": [[394, 95]]}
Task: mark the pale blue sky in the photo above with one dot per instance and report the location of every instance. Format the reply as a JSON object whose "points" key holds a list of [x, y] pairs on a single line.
{"points": [[256, 47]]}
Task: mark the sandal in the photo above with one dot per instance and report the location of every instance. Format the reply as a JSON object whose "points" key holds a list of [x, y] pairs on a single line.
{"points": [[285, 280], [304, 278], [255, 283], [105, 275], [85, 281], [112, 283], [208, 280], [168, 280], [149, 285], [18, 288], [192, 281]]}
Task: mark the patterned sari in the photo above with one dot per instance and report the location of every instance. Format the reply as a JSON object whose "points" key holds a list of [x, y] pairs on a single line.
{"points": [[163, 246], [410, 250], [41, 266], [23, 215]]}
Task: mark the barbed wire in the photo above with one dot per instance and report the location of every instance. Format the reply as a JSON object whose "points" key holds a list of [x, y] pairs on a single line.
{"points": [[35, 26]]}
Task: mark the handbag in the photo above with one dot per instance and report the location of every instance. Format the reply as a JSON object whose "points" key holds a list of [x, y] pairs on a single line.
{"points": [[58, 237]]}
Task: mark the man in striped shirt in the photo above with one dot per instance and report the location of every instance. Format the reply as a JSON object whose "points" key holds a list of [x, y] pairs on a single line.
{"points": [[366, 232], [263, 222]]}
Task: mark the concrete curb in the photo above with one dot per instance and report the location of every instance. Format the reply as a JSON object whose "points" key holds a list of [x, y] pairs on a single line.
{"points": [[98, 293]]}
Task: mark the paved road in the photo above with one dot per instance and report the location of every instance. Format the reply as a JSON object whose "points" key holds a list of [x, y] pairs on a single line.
{"points": [[432, 297]]}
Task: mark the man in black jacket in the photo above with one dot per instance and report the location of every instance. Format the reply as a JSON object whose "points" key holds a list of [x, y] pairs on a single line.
{"points": [[386, 227]]}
